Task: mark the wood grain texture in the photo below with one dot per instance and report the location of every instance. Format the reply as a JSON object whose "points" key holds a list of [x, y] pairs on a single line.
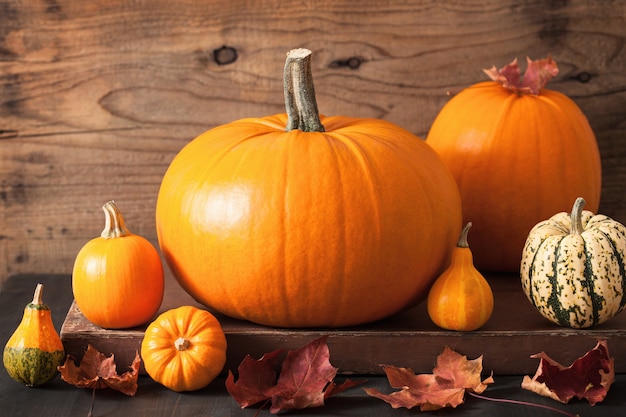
{"points": [[96, 97]]}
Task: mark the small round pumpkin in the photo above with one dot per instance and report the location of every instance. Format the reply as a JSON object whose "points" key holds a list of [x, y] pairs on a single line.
{"points": [[461, 299], [297, 220], [184, 349], [520, 153], [573, 268], [117, 279]]}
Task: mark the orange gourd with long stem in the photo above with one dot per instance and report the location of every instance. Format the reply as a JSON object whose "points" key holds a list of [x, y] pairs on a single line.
{"points": [[461, 298]]}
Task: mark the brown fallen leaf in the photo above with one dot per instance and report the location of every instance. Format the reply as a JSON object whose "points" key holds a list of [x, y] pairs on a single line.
{"points": [[98, 371], [589, 376], [453, 375], [303, 379]]}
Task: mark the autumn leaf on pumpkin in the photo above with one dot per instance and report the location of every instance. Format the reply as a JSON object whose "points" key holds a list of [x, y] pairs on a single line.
{"points": [[589, 376], [304, 378], [536, 76], [453, 375], [98, 371]]}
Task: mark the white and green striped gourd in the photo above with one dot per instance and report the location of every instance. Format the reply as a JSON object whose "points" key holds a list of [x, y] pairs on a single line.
{"points": [[573, 268]]}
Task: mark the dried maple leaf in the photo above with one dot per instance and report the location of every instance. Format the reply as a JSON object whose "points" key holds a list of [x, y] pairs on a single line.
{"points": [[255, 378], [303, 379], [97, 371], [589, 376], [536, 76], [453, 375]]}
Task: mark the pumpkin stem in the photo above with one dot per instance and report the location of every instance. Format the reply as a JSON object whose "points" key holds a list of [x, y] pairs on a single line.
{"points": [[576, 216], [38, 297], [300, 100], [462, 242], [114, 222], [181, 344]]}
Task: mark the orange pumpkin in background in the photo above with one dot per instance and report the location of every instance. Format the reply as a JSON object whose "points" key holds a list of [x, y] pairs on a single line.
{"points": [[294, 220], [519, 153]]}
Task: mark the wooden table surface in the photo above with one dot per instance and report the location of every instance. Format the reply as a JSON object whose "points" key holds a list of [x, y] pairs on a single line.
{"points": [[61, 399]]}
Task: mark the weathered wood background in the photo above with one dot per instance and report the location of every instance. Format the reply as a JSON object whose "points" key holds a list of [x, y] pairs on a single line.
{"points": [[96, 97]]}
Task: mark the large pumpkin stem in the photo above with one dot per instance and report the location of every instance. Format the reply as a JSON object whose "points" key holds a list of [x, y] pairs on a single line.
{"points": [[114, 222], [300, 100], [576, 216]]}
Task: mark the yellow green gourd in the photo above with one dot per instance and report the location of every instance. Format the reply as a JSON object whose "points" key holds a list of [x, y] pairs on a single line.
{"points": [[34, 351]]}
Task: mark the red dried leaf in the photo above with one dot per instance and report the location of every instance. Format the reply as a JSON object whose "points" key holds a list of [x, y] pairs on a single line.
{"points": [[445, 387], [537, 75], [305, 379], [98, 371], [589, 376], [255, 378]]}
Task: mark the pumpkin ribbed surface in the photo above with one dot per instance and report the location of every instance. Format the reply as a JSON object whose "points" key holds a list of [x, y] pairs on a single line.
{"points": [[576, 279], [304, 229]]}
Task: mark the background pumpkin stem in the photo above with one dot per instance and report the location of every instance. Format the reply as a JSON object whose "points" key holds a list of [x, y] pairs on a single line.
{"points": [[300, 100], [576, 216]]}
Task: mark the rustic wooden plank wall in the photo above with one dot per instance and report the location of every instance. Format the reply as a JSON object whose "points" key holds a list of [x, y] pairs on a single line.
{"points": [[96, 97]]}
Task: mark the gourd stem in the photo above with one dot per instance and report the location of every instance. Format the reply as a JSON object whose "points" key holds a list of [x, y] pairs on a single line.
{"points": [[300, 103], [38, 297], [114, 222], [462, 242], [181, 344], [576, 216]]}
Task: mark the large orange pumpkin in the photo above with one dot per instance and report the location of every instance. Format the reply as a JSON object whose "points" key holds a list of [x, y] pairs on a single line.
{"points": [[276, 221], [519, 153]]}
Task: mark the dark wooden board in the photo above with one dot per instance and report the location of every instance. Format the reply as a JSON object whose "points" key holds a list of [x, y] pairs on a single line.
{"points": [[410, 339]]}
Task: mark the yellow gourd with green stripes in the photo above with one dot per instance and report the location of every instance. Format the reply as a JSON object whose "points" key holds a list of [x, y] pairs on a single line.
{"points": [[573, 268]]}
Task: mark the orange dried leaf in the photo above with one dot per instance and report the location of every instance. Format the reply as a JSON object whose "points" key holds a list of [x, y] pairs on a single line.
{"points": [[98, 371], [453, 375], [589, 376]]}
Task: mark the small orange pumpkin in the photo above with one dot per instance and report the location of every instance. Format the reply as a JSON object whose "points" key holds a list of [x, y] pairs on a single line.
{"points": [[184, 349], [461, 298], [520, 153], [117, 279], [297, 220]]}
